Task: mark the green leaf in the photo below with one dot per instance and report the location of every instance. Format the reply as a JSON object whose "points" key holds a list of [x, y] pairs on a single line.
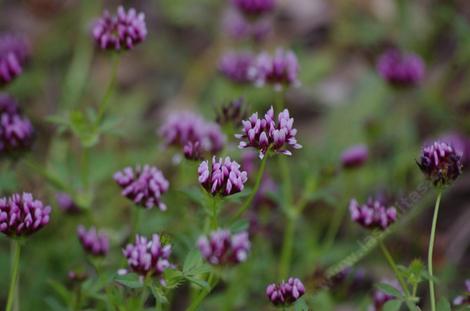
{"points": [[390, 290], [192, 261], [61, 290], [443, 305], [158, 293], [198, 282], [239, 226], [392, 305], [173, 278], [130, 280], [301, 305]]}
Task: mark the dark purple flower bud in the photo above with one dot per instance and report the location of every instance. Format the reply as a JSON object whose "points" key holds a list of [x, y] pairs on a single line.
{"points": [[122, 31], [254, 8], [14, 52], [222, 248], [355, 156], [465, 298], [441, 163], [238, 27], [373, 215], [460, 143], [285, 293], [400, 68], [223, 177], [380, 298], [148, 257], [143, 185], [16, 131], [236, 66], [22, 215], [182, 128], [93, 242], [266, 133], [279, 70], [234, 112], [66, 203]]}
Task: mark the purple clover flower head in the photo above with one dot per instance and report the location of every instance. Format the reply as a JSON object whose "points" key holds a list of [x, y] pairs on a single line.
{"points": [[238, 27], [401, 68], [222, 248], [148, 256], [122, 31], [236, 66], [460, 143], [285, 293], [354, 156], [279, 70], [233, 112], [94, 242], [267, 134], [143, 185], [441, 163], [16, 131], [222, 177], [380, 298], [182, 128], [14, 52], [465, 298], [254, 8], [192, 151], [66, 203], [373, 215], [22, 215]]}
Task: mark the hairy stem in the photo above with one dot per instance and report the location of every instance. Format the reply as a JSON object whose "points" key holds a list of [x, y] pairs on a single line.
{"points": [[430, 252], [14, 274]]}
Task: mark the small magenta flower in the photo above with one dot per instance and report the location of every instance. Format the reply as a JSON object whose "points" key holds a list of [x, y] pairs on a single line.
{"points": [[267, 134], [354, 156], [120, 32], [441, 163], [143, 185], [94, 242], [16, 131], [233, 112], [279, 70], [222, 248], [22, 215], [148, 257], [380, 298], [223, 177], [285, 293], [236, 66], [14, 52], [254, 8], [401, 68], [66, 203], [373, 215], [465, 298]]}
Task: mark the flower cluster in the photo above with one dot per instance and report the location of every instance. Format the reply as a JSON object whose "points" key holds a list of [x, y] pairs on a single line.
{"points": [[279, 70], [14, 51], [66, 203], [222, 248], [22, 215], [401, 68], [267, 134], [254, 8], [441, 163], [465, 298], [143, 185], [355, 156], [148, 257], [122, 31], [460, 142], [234, 112], [16, 131], [373, 215], [186, 128], [380, 298], [93, 242], [236, 66], [285, 293], [238, 27], [223, 177]]}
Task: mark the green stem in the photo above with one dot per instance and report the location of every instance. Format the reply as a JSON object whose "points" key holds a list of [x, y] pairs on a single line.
{"points": [[287, 247], [334, 227], [135, 221], [14, 273], [430, 252], [212, 281], [248, 201], [393, 265], [214, 213], [103, 106]]}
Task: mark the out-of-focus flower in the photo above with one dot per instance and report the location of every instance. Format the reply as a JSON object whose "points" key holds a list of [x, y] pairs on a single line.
{"points": [[374, 214], [148, 257], [267, 134], [465, 298], [16, 131], [182, 128], [93, 242], [380, 298], [14, 52], [222, 177], [254, 8], [401, 68], [238, 27], [22, 215], [285, 293], [236, 66], [355, 156], [122, 31], [143, 185], [279, 70], [234, 112], [441, 163], [66, 203], [76, 277], [222, 248], [192, 151]]}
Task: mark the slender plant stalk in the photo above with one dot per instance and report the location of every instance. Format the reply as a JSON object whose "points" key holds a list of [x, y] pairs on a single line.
{"points": [[136, 213], [430, 252], [393, 265], [212, 281], [14, 274], [103, 106], [287, 247], [214, 213]]}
